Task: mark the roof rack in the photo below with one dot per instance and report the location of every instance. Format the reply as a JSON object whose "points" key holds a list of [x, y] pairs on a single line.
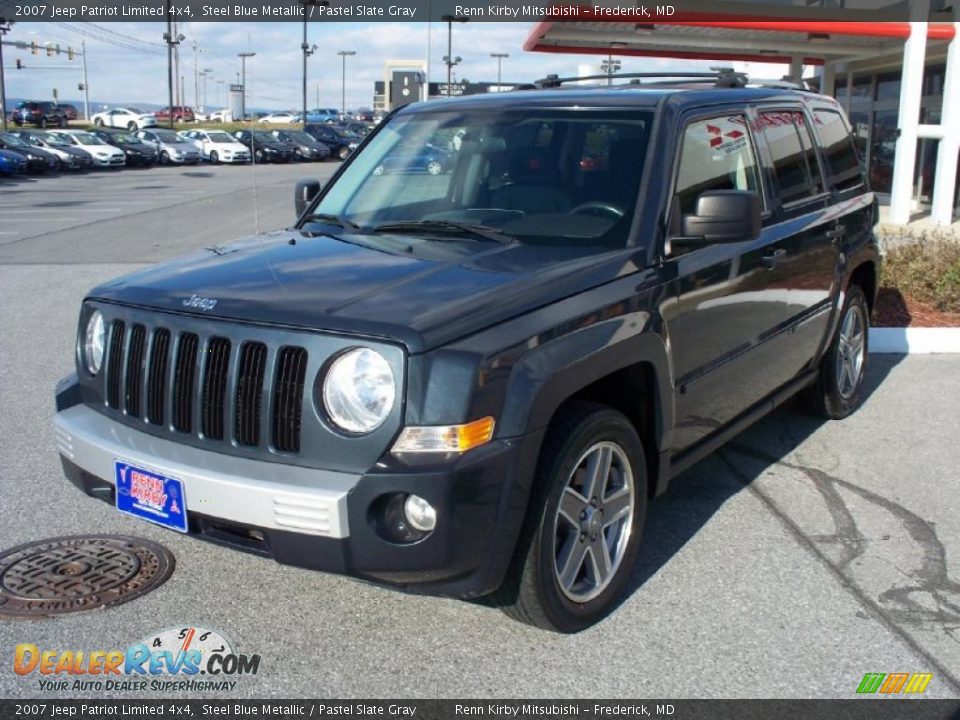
{"points": [[722, 78]]}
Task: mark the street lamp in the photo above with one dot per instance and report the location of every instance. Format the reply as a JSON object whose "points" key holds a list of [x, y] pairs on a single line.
{"points": [[308, 50], [205, 73], [172, 41], [448, 58], [5, 27], [243, 83], [499, 57], [610, 66], [220, 83], [343, 79]]}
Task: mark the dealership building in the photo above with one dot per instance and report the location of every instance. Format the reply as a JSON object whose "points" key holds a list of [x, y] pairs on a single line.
{"points": [[898, 80]]}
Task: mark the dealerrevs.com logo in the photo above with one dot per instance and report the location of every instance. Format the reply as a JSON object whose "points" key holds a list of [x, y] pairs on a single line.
{"points": [[176, 659]]}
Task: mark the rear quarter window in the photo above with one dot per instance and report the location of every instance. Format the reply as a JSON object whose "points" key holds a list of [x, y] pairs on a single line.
{"points": [[839, 151], [795, 164]]}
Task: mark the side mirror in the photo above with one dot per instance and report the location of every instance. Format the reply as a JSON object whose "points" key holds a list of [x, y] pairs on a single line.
{"points": [[304, 194], [722, 216]]}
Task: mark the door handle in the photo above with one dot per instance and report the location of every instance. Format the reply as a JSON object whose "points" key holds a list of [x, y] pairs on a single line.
{"points": [[770, 261], [836, 233]]}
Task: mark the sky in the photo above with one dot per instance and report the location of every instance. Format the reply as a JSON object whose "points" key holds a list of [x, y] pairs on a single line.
{"points": [[127, 62]]}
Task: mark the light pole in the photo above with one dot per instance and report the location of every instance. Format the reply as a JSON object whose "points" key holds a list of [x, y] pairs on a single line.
{"points": [[610, 67], [205, 73], [308, 49], [4, 29], [172, 41], [220, 84], [499, 57], [343, 79], [196, 75], [243, 82], [449, 59]]}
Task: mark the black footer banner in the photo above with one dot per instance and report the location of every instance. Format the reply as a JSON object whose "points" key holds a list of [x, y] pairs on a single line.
{"points": [[860, 709]]}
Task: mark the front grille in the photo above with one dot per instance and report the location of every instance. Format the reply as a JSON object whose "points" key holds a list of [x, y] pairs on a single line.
{"points": [[134, 370], [215, 387], [288, 398], [211, 387]]}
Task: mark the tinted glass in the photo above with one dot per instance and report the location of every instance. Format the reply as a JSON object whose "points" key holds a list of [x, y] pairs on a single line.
{"points": [[843, 165], [790, 155], [716, 155], [523, 171]]}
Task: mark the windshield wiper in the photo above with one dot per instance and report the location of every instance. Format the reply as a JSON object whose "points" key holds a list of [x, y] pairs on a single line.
{"points": [[446, 226], [331, 219]]}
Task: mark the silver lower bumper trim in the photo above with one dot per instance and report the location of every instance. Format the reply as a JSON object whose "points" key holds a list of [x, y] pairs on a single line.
{"points": [[242, 490]]}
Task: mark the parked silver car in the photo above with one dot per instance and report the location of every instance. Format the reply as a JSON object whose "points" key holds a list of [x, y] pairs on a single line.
{"points": [[171, 147]]}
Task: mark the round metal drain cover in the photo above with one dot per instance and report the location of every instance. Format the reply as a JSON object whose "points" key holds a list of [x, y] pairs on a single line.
{"points": [[81, 572]]}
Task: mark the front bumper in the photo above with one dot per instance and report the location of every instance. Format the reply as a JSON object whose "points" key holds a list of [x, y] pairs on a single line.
{"points": [[321, 519], [109, 161]]}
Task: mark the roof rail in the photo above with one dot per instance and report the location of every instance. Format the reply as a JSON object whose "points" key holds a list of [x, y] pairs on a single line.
{"points": [[723, 78]]}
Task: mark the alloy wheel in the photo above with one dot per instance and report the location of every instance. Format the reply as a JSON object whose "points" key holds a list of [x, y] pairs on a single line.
{"points": [[593, 522], [850, 351]]}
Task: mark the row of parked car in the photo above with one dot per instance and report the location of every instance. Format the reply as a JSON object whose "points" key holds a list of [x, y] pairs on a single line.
{"points": [[44, 150]]}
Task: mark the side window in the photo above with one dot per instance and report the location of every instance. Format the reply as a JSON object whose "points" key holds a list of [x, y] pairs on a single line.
{"points": [[840, 154], [794, 160], [715, 154]]}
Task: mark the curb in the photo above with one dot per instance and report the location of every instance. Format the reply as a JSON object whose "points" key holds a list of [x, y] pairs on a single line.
{"points": [[914, 341]]}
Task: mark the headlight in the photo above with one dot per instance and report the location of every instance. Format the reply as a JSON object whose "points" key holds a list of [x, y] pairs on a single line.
{"points": [[94, 339], [359, 390]]}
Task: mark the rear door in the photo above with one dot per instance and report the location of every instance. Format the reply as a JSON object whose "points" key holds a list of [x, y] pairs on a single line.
{"points": [[804, 238]]}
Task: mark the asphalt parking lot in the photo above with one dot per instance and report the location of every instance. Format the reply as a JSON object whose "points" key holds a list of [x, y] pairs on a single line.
{"points": [[789, 564]]}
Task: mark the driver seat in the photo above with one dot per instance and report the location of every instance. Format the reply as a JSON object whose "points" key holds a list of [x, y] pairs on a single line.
{"points": [[530, 190]]}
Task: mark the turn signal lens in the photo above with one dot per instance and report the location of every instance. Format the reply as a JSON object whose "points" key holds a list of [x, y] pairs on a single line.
{"points": [[445, 438]]}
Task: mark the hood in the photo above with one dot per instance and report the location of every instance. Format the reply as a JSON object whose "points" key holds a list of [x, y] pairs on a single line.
{"points": [[422, 293]]}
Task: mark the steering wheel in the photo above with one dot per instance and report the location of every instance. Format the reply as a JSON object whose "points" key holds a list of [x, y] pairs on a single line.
{"points": [[587, 207]]}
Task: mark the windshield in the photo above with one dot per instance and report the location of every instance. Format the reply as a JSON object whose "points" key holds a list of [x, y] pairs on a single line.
{"points": [[52, 139], [88, 139], [168, 136], [568, 176], [122, 138], [11, 139], [263, 136], [298, 137]]}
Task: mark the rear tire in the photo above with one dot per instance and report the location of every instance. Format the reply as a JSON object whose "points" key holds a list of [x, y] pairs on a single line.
{"points": [[838, 390], [581, 536], [344, 153], [132, 126], [98, 122]]}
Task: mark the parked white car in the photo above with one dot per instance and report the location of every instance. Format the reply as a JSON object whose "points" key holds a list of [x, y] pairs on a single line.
{"points": [[217, 146], [280, 118], [225, 115], [103, 155], [171, 148], [126, 118]]}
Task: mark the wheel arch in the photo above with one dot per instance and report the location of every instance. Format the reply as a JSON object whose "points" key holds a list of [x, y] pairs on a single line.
{"points": [[864, 275]]}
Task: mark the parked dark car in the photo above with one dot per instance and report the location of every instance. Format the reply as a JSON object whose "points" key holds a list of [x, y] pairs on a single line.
{"points": [[360, 129], [264, 146], [38, 160], [427, 159], [69, 111], [71, 157], [137, 152], [340, 142], [305, 146], [12, 163], [41, 114], [475, 386], [181, 113]]}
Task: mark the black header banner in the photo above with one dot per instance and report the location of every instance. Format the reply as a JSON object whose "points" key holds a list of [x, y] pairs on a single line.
{"points": [[872, 709], [630, 11]]}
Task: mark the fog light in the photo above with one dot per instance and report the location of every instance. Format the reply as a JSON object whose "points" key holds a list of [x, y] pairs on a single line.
{"points": [[419, 513]]}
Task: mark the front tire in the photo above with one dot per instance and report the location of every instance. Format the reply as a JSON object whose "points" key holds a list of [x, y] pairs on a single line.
{"points": [[583, 527], [132, 126], [344, 153], [838, 390], [214, 158], [164, 158]]}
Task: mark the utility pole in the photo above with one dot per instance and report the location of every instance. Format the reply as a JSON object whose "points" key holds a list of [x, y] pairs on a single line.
{"points": [[308, 49], [449, 59], [343, 79], [86, 85], [205, 73], [196, 75], [243, 82], [499, 57], [4, 29], [610, 67], [172, 40], [220, 84]]}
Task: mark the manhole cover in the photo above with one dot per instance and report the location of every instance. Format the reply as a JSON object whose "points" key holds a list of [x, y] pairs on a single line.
{"points": [[82, 572]]}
